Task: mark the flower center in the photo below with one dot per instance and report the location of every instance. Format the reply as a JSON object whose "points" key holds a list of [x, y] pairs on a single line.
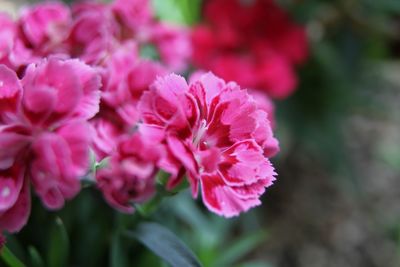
{"points": [[200, 133]]}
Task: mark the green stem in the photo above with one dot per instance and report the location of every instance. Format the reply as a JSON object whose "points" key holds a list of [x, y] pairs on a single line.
{"points": [[10, 259]]}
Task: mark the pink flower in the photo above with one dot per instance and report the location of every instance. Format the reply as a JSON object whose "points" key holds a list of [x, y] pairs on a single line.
{"points": [[44, 135], [218, 134], [94, 32], [266, 104], [7, 36], [15, 215], [106, 133], [45, 25], [130, 174], [125, 78], [10, 94], [135, 14], [164, 37], [59, 90], [13, 51], [100, 30], [60, 159]]}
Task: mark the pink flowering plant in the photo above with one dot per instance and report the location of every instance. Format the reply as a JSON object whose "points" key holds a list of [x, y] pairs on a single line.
{"points": [[94, 95]]}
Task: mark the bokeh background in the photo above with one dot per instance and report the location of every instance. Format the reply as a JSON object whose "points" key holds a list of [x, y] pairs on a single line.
{"points": [[337, 198]]}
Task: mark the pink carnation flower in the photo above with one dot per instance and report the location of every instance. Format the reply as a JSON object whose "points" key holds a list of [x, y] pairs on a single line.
{"points": [[266, 104], [14, 214], [164, 37], [13, 50], [125, 78], [44, 135], [45, 26], [130, 174], [218, 134], [134, 14], [100, 30], [94, 32], [7, 36]]}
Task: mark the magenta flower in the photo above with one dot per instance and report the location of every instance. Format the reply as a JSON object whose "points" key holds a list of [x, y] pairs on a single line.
{"points": [[134, 14], [94, 32], [100, 30], [14, 214], [45, 25], [164, 36], [44, 135], [130, 174], [125, 78], [266, 104], [218, 134], [13, 50], [7, 36]]}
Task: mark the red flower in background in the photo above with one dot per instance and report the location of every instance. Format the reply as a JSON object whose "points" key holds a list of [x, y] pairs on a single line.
{"points": [[252, 42]]}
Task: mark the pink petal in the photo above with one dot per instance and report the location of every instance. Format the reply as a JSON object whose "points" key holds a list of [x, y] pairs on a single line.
{"points": [[78, 137], [58, 79], [45, 22], [90, 81], [12, 144], [10, 86], [182, 153], [105, 136], [11, 182], [220, 198], [56, 166], [17, 216]]}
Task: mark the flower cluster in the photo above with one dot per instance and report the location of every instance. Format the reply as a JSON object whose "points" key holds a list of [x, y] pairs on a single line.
{"points": [[44, 134], [76, 81], [90, 31], [252, 42]]}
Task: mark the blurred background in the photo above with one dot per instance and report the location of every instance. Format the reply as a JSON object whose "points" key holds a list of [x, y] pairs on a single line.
{"points": [[336, 201]]}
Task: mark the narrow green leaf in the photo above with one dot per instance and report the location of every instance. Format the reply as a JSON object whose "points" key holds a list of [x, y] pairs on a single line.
{"points": [[10, 259], [165, 244], [58, 246], [239, 249], [255, 264], [117, 258], [35, 259]]}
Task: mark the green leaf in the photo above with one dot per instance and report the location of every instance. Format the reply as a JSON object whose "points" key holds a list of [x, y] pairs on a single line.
{"points": [[10, 259], [178, 11], [255, 264], [164, 244], [239, 249], [149, 51], [58, 246], [117, 258], [35, 259]]}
